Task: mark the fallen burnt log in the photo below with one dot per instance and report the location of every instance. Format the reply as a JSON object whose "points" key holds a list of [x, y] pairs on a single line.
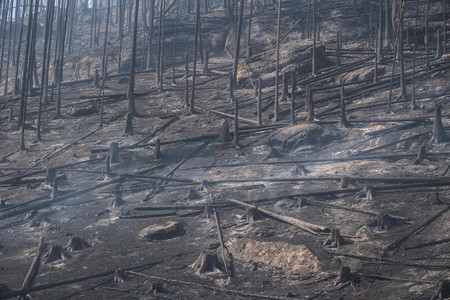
{"points": [[208, 287], [45, 286], [308, 227], [396, 244], [56, 200], [34, 267]]}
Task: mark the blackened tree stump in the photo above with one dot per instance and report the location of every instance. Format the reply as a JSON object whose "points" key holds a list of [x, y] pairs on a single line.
{"points": [[439, 134], [55, 253], [114, 153], [366, 192], [157, 150], [335, 240], [120, 276], [252, 215], [207, 263], [421, 156], [129, 124], [76, 244], [383, 221], [50, 176], [225, 132]]}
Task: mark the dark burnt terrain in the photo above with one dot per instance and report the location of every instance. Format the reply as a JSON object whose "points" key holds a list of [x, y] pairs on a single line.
{"points": [[324, 209]]}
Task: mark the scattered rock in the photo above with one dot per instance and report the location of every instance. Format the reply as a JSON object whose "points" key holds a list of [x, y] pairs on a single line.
{"points": [[291, 259], [162, 232], [123, 80], [81, 111], [76, 244], [289, 138], [365, 73]]}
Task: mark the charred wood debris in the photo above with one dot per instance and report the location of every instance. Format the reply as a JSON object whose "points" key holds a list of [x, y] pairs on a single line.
{"points": [[223, 149]]}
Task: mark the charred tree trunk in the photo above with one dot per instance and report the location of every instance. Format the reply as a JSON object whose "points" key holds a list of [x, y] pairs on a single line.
{"points": [[4, 26], [104, 71], [413, 93], [400, 52], [158, 72], [9, 51], [277, 66], [130, 94], [25, 76], [121, 25], [61, 61], [150, 33], [338, 49], [237, 45], [175, 42], [444, 25], [292, 119], [44, 73], [313, 63], [249, 36], [259, 103], [380, 32], [427, 34], [16, 77], [196, 40], [161, 56]]}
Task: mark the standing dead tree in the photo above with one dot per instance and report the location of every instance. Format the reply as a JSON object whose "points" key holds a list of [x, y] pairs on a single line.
{"points": [[16, 78], [277, 66], [196, 41], [45, 62], [26, 73], [60, 60], [380, 32], [237, 45], [4, 24], [160, 41], [175, 42], [121, 19], [413, 93], [150, 33], [9, 50], [130, 94]]}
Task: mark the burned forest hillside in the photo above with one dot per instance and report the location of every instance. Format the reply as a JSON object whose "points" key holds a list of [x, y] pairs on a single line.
{"points": [[224, 149]]}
